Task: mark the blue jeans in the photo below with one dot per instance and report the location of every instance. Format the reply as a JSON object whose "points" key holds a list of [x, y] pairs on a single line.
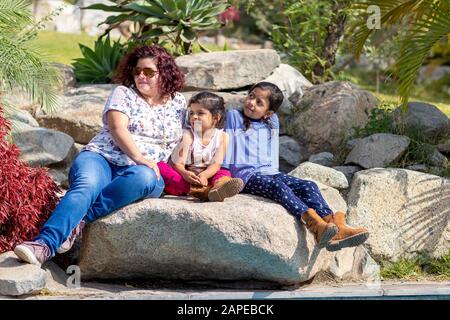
{"points": [[97, 188], [294, 194]]}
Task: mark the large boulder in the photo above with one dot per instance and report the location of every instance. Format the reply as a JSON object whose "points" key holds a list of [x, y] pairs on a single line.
{"points": [[317, 172], [406, 212], [226, 70], [378, 150], [243, 238], [327, 114], [43, 147], [425, 118], [80, 116], [18, 278], [291, 82]]}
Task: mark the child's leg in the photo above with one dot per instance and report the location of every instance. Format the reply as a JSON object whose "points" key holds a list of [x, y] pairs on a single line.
{"points": [[223, 186], [274, 189], [267, 187], [219, 174], [174, 182], [308, 192]]}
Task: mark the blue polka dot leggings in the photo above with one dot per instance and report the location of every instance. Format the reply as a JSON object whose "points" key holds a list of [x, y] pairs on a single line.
{"points": [[294, 194]]}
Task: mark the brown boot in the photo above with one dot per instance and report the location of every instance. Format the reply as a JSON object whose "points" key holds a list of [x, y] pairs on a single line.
{"points": [[347, 236], [199, 192], [225, 187], [322, 231]]}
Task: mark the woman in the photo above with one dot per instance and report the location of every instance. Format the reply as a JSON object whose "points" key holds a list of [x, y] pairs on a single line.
{"points": [[142, 123]]}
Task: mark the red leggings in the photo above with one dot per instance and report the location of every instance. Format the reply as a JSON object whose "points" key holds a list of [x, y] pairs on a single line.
{"points": [[175, 183]]}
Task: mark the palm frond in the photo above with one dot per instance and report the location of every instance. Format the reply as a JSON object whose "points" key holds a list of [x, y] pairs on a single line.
{"points": [[22, 64], [392, 13], [427, 31]]}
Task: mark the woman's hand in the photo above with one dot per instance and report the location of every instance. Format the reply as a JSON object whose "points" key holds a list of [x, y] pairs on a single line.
{"points": [[191, 178], [203, 179], [149, 163]]}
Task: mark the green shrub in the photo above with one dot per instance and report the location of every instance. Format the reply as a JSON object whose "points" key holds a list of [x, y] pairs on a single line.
{"points": [[416, 267], [98, 65], [162, 21]]}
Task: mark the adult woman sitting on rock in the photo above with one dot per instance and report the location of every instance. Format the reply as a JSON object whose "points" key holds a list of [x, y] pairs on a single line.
{"points": [[142, 123]]}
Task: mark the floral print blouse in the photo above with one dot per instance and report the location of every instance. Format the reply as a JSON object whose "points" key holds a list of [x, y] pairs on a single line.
{"points": [[148, 126]]}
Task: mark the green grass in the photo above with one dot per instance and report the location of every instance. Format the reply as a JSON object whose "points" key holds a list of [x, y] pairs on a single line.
{"points": [[63, 47], [420, 267]]}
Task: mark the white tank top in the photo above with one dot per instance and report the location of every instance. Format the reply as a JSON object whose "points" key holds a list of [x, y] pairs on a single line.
{"points": [[201, 156]]}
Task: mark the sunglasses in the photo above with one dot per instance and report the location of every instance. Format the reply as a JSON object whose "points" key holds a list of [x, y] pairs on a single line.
{"points": [[148, 72]]}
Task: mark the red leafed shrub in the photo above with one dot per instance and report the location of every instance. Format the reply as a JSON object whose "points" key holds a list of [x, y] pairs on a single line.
{"points": [[27, 195]]}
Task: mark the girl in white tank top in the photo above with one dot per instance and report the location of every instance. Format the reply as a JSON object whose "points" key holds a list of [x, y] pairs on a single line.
{"points": [[195, 165]]}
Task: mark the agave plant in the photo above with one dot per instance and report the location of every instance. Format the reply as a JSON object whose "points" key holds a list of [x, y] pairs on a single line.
{"points": [[98, 65], [426, 22], [175, 20], [23, 66]]}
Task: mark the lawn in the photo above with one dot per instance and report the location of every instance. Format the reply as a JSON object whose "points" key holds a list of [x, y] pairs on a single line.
{"points": [[63, 47]]}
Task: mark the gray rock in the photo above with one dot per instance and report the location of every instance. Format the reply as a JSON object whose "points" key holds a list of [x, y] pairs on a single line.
{"points": [[317, 172], [444, 147], [425, 118], [232, 100], [43, 147], [17, 278], [23, 116], [244, 238], [378, 150], [324, 158], [67, 75], [325, 116], [291, 154], [348, 171], [430, 73], [418, 167], [407, 212], [80, 116], [291, 82], [437, 159], [228, 69]]}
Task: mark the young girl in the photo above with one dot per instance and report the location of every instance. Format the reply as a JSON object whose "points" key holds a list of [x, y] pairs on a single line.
{"points": [[253, 156], [195, 165]]}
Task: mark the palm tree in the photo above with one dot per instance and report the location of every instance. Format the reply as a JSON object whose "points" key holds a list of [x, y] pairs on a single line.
{"points": [[426, 23], [23, 66]]}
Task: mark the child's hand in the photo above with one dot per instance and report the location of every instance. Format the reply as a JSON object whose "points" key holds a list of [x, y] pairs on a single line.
{"points": [[192, 178], [203, 179]]}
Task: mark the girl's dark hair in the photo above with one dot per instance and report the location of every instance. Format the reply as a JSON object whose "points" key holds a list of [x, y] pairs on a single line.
{"points": [[171, 79], [214, 103], [275, 100]]}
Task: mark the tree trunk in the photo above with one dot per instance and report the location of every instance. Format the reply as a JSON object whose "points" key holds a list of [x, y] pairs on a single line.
{"points": [[335, 30]]}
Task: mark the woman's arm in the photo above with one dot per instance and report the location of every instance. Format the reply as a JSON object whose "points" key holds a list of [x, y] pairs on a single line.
{"points": [[217, 161], [118, 126]]}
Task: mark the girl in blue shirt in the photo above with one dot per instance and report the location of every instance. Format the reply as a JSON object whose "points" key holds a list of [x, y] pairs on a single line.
{"points": [[252, 155]]}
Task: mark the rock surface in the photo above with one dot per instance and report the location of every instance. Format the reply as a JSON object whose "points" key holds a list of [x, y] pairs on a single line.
{"points": [[244, 238], [227, 70], [317, 172], [43, 147], [327, 113], [425, 118], [406, 212], [18, 278], [378, 150]]}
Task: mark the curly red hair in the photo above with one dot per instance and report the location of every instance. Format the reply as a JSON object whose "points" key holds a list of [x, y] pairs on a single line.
{"points": [[171, 78]]}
